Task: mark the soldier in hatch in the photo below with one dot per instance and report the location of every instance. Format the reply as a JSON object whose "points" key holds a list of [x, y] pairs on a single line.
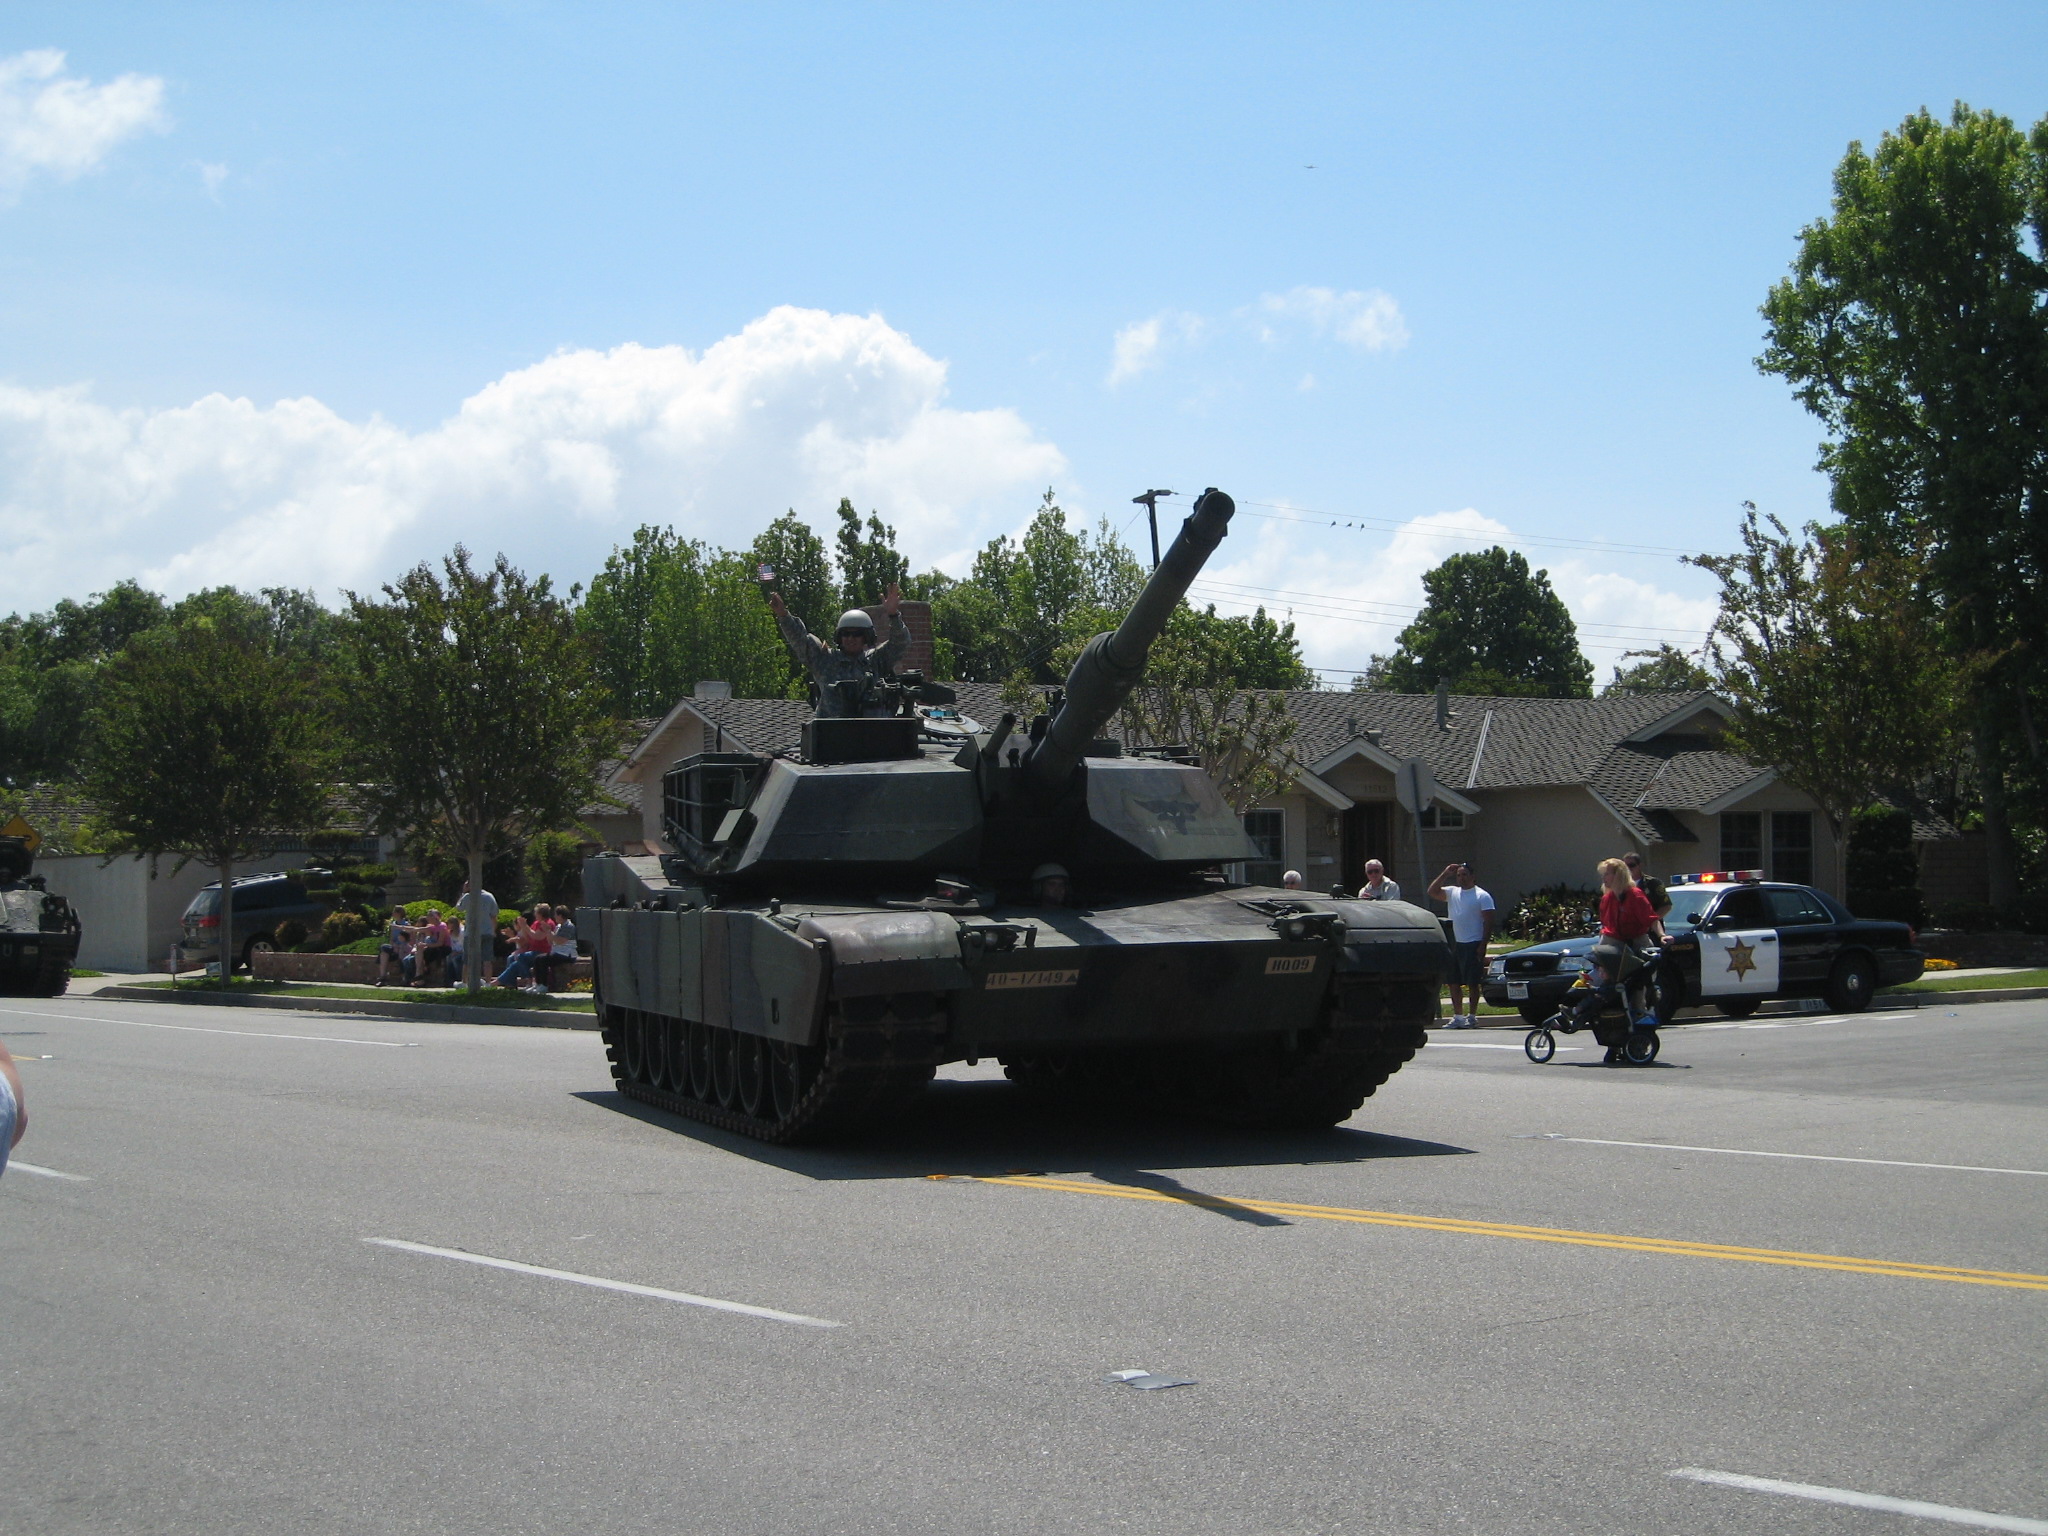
{"points": [[853, 657]]}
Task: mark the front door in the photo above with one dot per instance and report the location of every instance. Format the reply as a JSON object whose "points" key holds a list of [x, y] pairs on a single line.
{"points": [[1367, 834]]}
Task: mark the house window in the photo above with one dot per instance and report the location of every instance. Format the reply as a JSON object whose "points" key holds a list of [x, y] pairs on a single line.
{"points": [[1742, 840], [1268, 831], [1792, 846], [1445, 818]]}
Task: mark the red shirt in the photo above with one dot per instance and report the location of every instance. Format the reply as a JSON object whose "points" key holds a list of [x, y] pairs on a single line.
{"points": [[540, 938], [1627, 916]]}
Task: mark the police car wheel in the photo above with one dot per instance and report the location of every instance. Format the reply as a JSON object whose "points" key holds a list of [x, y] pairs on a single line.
{"points": [[1851, 984], [1740, 1007]]}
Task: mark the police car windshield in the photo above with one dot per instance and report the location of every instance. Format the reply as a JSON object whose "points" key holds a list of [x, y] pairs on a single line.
{"points": [[1689, 904]]}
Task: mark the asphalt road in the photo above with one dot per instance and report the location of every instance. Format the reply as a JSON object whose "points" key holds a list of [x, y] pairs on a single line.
{"points": [[199, 1330]]}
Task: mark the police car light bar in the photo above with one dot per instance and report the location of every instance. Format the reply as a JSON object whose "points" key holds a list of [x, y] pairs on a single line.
{"points": [[1718, 877]]}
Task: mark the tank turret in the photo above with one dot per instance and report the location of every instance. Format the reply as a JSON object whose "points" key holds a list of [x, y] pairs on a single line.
{"points": [[829, 927]]}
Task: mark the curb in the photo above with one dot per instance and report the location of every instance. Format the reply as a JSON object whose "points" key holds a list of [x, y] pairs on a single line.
{"points": [[1884, 1002], [440, 1013]]}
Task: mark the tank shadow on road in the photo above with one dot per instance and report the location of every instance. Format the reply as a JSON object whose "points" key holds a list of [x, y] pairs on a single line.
{"points": [[993, 1128]]}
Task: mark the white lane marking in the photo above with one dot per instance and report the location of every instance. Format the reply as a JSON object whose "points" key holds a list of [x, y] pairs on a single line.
{"points": [[1804, 1157], [1849, 1496], [1481, 1045], [48, 1173], [606, 1285], [200, 1029]]}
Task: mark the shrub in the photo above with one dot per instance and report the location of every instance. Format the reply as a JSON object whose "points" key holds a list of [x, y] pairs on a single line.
{"points": [[342, 928], [1554, 912], [2032, 912], [1966, 916], [363, 946], [1898, 906], [291, 933]]}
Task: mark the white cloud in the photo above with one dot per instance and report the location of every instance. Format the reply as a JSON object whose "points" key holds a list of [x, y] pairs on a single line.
{"points": [[62, 125], [1138, 345], [213, 176], [1366, 319], [1350, 593], [552, 464]]}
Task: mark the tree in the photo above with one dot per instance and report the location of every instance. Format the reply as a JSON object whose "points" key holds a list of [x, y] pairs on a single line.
{"points": [[1913, 326], [803, 574], [1489, 625], [1666, 669], [1026, 600], [666, 613], [868, 562], [1190, 697], [471, 711], [206, 745], [1819, 648]]}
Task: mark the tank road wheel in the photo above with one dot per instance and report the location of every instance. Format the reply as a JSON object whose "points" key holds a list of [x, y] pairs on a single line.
{"points": [[654, 1048], [700, 1062], [791, 1071], [751, 1069], [633, 1045], [52, 979], [868, 1068], [724, 1067], [1315, 1081]]}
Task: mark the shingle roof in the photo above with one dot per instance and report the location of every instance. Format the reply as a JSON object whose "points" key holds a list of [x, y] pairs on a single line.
{"points": [[1488, 743]]}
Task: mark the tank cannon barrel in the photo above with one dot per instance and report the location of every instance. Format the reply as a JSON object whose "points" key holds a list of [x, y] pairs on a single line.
{"points": [[1113, 664]]}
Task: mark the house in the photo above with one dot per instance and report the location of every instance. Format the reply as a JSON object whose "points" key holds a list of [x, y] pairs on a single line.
{"points": [[131, 906], [1534, 792]]}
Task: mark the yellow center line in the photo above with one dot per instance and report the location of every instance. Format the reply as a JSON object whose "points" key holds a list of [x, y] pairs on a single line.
{"points": [[1677, 1247]]}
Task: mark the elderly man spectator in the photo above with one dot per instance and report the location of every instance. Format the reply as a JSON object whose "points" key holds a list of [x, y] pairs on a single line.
{"points": [[1377, 886], [1291, 881]]}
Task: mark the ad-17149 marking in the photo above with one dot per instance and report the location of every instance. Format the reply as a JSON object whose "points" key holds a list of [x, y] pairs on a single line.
{"points": [[1000, 981]]}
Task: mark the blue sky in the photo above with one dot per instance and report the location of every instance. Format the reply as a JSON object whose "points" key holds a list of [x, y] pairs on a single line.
{"points": [[302, 295]]}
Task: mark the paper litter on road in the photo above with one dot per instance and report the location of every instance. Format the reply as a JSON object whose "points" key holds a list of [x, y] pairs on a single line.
{"points": [[1147, 1381]]}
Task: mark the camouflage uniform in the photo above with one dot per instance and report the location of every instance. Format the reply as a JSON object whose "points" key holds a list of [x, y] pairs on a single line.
{"points": [[828, 665]]}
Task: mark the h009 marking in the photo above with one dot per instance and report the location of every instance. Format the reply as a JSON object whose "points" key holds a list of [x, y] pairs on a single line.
{"points": [[1001, 981], [1290, 965]]}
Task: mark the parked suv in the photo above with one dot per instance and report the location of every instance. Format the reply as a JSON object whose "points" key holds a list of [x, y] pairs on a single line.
{"points": [[261, 903]]}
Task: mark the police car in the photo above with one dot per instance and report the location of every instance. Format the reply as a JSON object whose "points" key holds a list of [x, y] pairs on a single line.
{"points": [[1735, 941]]}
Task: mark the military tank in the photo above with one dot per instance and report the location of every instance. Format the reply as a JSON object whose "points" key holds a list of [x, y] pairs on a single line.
{"points": [[39, 932], [833, 926]]}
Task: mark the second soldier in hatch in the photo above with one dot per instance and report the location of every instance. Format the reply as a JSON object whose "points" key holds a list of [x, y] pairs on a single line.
{"points": [[853, 663]]}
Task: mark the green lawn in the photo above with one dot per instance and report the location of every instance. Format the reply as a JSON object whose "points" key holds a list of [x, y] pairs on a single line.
{"points": [[1939, 981], [488, 997]]}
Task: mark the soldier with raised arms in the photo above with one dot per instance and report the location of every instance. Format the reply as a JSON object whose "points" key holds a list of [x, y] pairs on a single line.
{"points": [[852, 658]]}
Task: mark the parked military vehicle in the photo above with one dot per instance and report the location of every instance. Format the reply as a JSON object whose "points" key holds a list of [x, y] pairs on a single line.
{"points": [[39, 932], [831, 928]]}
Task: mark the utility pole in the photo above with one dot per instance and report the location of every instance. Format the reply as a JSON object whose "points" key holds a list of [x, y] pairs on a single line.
{"points": [[1150, 502]]}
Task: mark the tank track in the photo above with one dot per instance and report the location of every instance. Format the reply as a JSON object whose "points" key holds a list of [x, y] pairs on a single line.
{"points": [[874, 1063], [1307, 1080], [49, 978]]}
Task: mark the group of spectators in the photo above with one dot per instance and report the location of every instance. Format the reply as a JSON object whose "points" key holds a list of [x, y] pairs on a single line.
{"points": [[529, 952]]}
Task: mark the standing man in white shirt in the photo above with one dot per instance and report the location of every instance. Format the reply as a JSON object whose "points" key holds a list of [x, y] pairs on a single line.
{"points": [[1470, 909]]}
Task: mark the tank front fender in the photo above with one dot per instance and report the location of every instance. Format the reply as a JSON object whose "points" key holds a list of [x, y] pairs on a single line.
{"points": [[880, 952]]}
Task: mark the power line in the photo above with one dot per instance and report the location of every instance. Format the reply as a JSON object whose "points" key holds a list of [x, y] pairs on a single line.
{"points": [[1283, 512], [1327, 605]]}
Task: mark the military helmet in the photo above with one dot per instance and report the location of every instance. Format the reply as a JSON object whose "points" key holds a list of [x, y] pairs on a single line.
{"points": [[856, 620]]}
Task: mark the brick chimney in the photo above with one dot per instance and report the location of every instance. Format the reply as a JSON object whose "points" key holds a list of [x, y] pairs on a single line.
{"points": [[918, 617]]}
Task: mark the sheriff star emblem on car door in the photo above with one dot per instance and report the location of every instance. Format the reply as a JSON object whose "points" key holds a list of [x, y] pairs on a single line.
{"points": [[1741, 958]]}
